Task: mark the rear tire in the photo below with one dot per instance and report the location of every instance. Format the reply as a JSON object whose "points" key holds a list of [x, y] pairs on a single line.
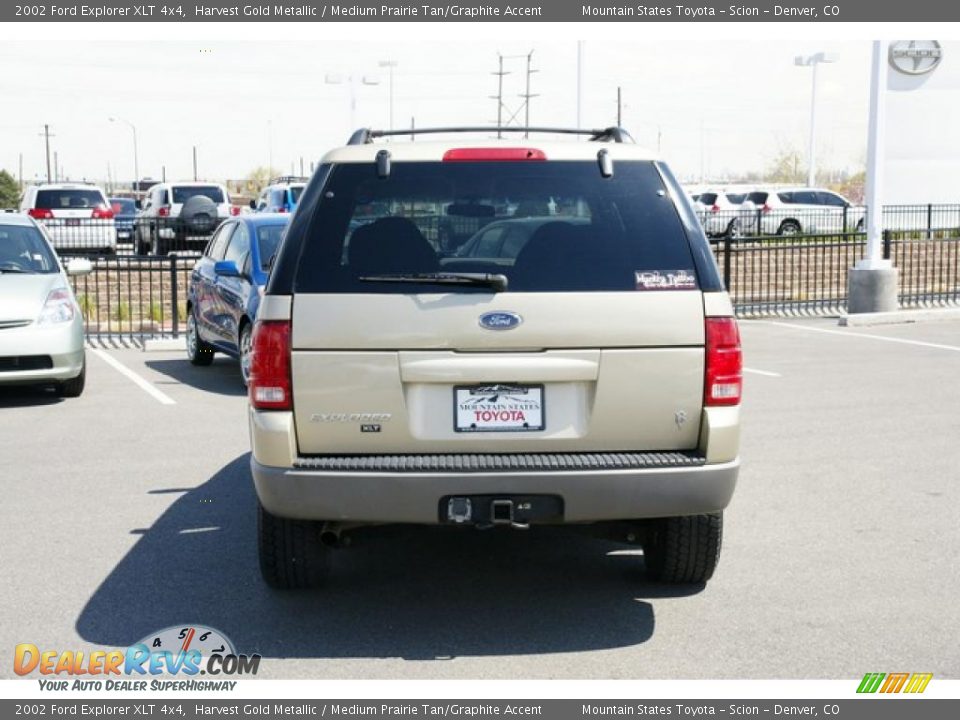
{"points": [[684, 549], [789, 227], [245, 345], [291, 554], [198, 352], [74, 386]]}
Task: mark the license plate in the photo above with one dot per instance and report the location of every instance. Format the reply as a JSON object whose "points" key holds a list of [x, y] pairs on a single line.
{"points": [[72, 222], [498, 408]]}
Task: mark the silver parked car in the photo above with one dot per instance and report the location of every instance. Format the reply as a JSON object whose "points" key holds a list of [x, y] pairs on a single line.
{"points": [[41, 326]]}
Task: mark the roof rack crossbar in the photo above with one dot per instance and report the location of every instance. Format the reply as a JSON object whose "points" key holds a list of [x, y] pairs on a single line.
{"points": [[365, 136]]}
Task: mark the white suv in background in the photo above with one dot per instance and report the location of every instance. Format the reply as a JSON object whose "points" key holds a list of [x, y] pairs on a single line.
{"points": [[76, 215], [719, 212], [181, 216], [792, 211]]}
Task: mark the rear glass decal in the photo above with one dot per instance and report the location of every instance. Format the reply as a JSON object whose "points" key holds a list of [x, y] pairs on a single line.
{"points": [[666, 280]]}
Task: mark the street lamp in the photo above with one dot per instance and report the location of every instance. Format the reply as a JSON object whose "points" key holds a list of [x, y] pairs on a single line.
{"points": [[390, 64], [814, 60], [136, 162], [334, 79]]}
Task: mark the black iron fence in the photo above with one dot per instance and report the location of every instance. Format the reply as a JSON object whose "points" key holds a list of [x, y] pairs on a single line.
{"points": [[134, 297], [144, 236], [778, 275], [145, 296], [748, 219]]}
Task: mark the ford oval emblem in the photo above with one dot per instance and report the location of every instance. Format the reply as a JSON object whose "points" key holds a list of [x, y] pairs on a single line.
{"points": [[500, 320]]}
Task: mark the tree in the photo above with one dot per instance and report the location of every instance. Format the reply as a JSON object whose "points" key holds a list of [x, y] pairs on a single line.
{"points": [[787, 167], [9, 190], [259, 178]]}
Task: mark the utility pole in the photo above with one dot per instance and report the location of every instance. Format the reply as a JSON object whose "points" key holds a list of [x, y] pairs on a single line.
{"points": [[619, 107], [301, 166], [56, 167], [526, 96], [500, 73], [525, 106], [194, 163], [20, 175], [46, 134]]}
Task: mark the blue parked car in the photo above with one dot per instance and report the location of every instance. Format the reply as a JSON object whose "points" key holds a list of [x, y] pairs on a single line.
{"points": [[226, 286], [124, 217], [280, 196]]}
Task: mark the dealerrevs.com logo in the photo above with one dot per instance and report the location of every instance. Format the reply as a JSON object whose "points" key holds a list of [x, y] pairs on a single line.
{"points": [[171, 659]]}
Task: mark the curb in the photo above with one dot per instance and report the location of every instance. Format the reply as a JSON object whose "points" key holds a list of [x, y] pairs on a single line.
{"points": [[165, 344], [900, 317]]}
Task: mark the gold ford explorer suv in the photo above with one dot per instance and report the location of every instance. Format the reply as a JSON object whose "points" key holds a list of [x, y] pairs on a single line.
{"points": [[579, 365]]}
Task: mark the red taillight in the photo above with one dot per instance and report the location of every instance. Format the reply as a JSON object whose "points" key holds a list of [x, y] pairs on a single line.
{"points": [[724, 363], [234, 210], [163, 211], [766, 208], [281, 210], [40, 213], [492, 154], [102, 213], [715, 208], [270, 365]]}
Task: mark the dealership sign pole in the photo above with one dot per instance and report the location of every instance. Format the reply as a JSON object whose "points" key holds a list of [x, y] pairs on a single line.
{"points": [[873, 280]]}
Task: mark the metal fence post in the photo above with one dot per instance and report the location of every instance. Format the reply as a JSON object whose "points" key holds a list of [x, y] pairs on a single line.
{"points": [[886, 244], [727, 246], [174, 304], [929, 221], [846, 228], [759, 215]]}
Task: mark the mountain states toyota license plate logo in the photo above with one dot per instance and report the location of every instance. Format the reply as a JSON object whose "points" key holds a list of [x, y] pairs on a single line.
{"points": [[498, 408]]}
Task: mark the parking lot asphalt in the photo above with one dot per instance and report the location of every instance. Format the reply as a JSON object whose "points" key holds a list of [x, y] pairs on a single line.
{"points": [[124, 514]]}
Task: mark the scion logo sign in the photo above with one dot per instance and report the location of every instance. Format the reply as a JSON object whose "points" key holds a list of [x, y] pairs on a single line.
{"points": [[894, 682], [178, 651], [915, 57]]}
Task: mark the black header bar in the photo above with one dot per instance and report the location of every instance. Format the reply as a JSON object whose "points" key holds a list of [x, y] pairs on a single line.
{"points": [[811, 11]]}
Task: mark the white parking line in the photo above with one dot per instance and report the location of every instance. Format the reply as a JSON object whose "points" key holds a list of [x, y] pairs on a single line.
{"points": [[902, 341], [765, 373], [139, 381]]}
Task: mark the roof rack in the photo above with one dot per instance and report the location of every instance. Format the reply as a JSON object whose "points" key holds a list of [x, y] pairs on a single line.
{"points": [[364, 136], [288, 179]]}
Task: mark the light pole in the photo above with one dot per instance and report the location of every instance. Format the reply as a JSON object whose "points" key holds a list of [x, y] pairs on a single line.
{"points": [[136, 161], [814, 60], [391, 64], [351, 81]]}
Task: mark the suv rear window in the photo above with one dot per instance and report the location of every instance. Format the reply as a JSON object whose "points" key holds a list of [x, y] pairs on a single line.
{"points": [[69, 199], [708, 198], [182, 193], [579, 230], [758, 198]]}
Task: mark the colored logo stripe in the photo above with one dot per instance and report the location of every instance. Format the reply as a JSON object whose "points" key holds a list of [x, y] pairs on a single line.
{"points": [[918, 682], [894, 682], [870, 682]]}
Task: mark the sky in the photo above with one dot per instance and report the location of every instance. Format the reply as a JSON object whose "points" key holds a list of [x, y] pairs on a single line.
{"points": [[716, 109]]}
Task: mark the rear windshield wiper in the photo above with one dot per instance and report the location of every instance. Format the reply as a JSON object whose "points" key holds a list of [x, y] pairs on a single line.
{"points": [[13, 270], [494, 280]]}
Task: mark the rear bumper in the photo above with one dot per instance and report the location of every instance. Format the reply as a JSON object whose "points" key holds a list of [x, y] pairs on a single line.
{"points": [[413, 497]]}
